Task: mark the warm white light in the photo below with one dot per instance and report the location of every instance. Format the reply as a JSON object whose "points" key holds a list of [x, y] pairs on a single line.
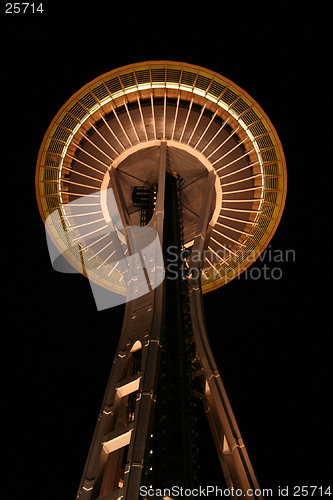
{"points": [[128, 388], [117, 442]]}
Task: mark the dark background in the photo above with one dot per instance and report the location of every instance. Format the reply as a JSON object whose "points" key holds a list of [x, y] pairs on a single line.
{"points": [[270, 337]]}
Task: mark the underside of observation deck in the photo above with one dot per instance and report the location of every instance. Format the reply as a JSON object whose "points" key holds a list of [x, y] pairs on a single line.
{"points": [[117, 121]]}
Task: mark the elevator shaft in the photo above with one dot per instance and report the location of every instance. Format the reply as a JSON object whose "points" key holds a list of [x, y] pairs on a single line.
{"points": [[174, 458]]}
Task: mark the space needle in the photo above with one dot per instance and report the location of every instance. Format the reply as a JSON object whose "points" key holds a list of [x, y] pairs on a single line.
{"points": [[161, 181]]}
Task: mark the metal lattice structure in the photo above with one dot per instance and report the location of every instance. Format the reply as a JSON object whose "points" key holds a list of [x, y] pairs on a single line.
{"points": [[192, 156]]}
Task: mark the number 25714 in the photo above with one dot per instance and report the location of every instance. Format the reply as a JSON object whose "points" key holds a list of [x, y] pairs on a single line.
{"points": [[23, 8]]}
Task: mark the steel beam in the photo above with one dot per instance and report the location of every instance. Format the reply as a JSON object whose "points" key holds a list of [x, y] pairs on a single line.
{"points": [[143, 320], [235, 463]]}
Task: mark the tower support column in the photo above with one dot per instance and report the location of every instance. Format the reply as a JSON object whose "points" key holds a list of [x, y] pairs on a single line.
{"points": [[121, 442], [235, 463]]}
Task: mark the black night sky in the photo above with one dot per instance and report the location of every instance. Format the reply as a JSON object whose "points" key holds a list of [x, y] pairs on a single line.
{"points": [[274, 361]]}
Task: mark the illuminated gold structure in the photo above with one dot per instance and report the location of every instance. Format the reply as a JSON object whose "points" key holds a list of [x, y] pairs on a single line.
{"points": [[129, 128]]}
